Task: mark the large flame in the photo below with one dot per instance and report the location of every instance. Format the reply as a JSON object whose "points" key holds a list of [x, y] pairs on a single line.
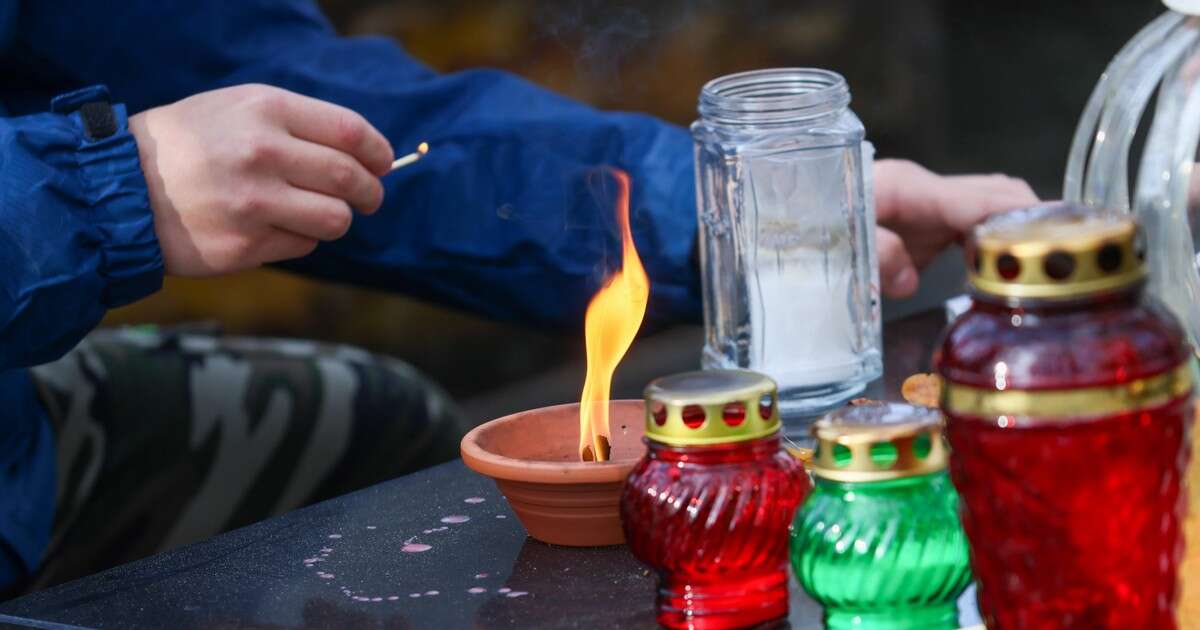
{"points": [[613, 319]]}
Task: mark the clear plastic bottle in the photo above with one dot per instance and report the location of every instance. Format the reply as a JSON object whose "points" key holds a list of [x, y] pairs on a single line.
{"points": [[787, 239]]}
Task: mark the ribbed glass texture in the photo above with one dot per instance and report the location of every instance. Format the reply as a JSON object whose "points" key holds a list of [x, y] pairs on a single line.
{"points": [[885, 554], [712, 521]]}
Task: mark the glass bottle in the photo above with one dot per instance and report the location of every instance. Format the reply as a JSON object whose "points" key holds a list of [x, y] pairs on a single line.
{"points": [[1068, 397], [878, 541], [709, 505], [787, 235], [1150, 85]]}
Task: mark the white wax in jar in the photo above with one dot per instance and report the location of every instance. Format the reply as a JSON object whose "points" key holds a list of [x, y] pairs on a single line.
{"points": [[804, 333]]}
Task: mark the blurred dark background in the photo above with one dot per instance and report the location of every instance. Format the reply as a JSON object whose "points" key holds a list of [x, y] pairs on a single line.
{"points": [[957, 86]]}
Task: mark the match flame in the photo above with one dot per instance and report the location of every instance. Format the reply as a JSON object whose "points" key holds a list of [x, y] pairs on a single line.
{"points": [[613, 318], [423, 148]]}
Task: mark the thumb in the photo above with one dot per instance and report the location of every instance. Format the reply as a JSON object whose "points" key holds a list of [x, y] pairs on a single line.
{"points": [[897, 273]]}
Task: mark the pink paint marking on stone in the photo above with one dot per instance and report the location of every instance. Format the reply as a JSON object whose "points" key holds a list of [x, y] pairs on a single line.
{"points": [[504, 590], [370, 527], [474, 500], [328, 576], [476, 590], [501, 516], [480, 576], [431, 593], [326, 549], [517, 594], [379, 599], [427, 531], [415, 548], [414, 595], [335, 536], [360, 598], [455, 519], [392, 598]]}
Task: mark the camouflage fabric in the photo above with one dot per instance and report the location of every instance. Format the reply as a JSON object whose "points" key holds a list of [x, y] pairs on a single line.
{"points": [[168, 436]]}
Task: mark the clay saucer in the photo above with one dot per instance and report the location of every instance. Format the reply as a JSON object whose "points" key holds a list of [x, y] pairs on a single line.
{"points": [[534, 458]]}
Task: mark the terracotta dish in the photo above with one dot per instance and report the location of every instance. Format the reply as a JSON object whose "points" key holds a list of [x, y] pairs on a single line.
{"points": [[534, 458]]}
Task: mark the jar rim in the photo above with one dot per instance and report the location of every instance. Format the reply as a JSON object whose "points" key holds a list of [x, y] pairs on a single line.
{"points": [[773, 96]]}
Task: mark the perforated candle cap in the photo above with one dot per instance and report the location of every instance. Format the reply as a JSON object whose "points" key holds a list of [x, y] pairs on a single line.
{"points": [[1055, 251], [711, 407], [878, 442]]}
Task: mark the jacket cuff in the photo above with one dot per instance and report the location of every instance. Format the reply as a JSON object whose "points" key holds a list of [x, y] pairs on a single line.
{"points": [[131, 261]]}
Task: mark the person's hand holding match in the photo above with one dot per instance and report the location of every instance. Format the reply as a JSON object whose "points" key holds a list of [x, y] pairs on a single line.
{"points": [[252, 174]]}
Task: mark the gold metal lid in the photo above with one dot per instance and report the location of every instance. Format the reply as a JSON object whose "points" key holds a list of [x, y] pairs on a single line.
{"points": [[879, 441], [711, 407], [1055, 251]]}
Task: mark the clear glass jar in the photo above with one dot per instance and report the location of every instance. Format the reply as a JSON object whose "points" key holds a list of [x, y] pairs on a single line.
{"points": [[787, 236]]}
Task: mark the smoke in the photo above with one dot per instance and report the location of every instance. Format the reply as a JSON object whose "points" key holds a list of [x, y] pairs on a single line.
{"points": [[605, 34]]}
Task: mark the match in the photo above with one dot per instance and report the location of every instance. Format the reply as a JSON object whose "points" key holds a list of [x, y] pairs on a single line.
{"points": [[422, 149]]}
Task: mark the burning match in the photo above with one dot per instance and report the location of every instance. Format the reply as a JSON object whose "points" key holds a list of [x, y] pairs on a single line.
{"points": [[422, 149]]}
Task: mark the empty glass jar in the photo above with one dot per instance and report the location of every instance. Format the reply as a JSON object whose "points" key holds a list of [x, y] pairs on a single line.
{"points": [[787, 238]]}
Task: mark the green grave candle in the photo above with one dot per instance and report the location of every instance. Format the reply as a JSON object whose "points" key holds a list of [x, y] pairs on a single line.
{"points": [[878, 542]]}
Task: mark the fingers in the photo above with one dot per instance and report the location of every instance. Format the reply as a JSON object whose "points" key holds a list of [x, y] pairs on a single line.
{"points": [[339, 128], [970, 199], [304, 213], [281, 245], [318, 168], [897, 274], [903, 189]]}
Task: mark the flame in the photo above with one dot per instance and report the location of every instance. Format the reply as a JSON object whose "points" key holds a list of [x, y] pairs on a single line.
{"points": [[613, 318], [423, 148]]}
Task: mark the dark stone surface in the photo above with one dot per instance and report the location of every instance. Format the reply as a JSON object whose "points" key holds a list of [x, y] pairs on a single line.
{"points": [[256, 577]]}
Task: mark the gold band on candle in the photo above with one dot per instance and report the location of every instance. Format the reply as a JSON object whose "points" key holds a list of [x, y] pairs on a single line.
{"points": [[1066, 404]]}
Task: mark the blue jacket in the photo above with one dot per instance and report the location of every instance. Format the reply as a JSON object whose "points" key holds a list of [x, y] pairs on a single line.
{"points": [[500, 218]]}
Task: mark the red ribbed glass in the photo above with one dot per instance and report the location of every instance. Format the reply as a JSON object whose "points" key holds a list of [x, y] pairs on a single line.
{"points": [[713, 522], [1073, 523]]}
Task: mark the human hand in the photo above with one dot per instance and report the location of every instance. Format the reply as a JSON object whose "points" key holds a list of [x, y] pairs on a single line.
{"points": [[919, 213], [251, 174]]}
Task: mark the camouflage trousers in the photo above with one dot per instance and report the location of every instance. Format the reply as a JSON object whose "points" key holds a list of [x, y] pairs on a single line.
{"points": [[168, 437]]}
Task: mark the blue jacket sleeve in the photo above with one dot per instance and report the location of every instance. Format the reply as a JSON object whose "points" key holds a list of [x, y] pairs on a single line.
{"points": [[502, 217], [76, 233]]}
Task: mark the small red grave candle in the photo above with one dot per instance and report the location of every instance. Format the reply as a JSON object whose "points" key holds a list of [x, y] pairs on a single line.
{"points": [[709, 505]]}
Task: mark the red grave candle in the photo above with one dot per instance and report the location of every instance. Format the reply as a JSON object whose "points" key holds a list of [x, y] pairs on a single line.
{"points": [[1068, 397], [709, 505]]}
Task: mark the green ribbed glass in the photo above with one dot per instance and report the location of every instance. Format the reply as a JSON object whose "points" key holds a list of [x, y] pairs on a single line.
{"points": [[882, 554]]}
